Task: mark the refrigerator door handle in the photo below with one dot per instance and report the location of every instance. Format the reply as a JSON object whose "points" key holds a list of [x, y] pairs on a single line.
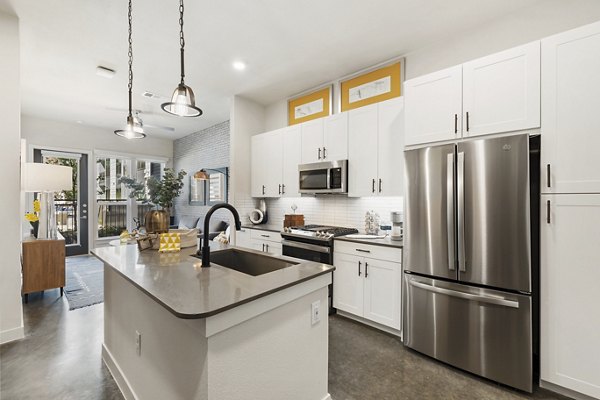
{"points": [[496, 300], [460, 198], [450, 210]]}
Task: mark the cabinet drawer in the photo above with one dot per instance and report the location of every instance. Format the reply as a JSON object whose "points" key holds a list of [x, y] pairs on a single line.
{"points": [[265, 235], [365, 250]]}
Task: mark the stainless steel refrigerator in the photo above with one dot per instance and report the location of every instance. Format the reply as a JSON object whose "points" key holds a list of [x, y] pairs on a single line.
{"points": [[468, 288]]}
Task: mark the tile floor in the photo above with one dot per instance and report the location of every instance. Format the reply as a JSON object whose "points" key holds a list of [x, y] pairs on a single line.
{"points": [[60, 359]]}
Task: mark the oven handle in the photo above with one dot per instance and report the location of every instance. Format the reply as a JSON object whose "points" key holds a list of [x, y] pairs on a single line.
{"points": [[306, 246]]}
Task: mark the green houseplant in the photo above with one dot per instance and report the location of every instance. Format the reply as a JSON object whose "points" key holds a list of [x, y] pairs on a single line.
{"points": [[159, 192]]}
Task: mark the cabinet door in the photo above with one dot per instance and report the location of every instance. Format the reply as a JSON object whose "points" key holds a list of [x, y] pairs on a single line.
{"points": [[273, 248], [348, 283], [273, 163], [258, 245], [362, 151], [433, 105], [570, 272], [312, 141], [257, 173], [335, 137], [382, 292], [570, 112], [501, 92], [390, 167], [242, 238], [292, 154]]}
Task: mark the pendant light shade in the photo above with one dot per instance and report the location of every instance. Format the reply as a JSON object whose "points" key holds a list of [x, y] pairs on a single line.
{"points": [[183, 101], [134, 128]]}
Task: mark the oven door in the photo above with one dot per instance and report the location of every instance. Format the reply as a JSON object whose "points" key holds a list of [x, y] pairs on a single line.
{"points": [[307, 251]]}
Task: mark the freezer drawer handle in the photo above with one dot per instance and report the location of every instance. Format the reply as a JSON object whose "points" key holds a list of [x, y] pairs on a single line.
{"points": [[500, 301]]}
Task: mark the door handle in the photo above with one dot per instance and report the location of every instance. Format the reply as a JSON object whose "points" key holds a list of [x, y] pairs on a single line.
{"points": [[450, 211], [373, 187], [379, 185], [490, 299], [319, 153], [467, 121], [455, 123], [548, 212], [366, 269], [359, 268], [460, 198], [548, 183], [324, 153]]}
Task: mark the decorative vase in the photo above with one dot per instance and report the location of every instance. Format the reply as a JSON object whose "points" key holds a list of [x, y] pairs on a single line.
{"points": [[34, 228], [157, 221]]}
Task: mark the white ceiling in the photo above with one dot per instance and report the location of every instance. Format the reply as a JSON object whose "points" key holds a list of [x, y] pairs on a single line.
{"points": [[289, 46]]}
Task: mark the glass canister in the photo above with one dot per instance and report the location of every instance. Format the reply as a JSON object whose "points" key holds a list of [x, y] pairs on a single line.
{"points": [[397, 229]]}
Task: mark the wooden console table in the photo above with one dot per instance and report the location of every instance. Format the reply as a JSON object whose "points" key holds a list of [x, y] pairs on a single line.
{"points": [[43, 265]]}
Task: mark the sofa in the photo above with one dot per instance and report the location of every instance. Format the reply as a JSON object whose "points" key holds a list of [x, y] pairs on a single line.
{"points": [[190, 222]]}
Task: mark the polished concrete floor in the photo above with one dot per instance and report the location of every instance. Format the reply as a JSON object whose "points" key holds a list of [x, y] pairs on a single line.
{"points": [[60, 359]]}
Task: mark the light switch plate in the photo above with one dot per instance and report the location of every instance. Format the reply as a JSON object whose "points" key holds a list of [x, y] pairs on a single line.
{"points": [[315, 312]]}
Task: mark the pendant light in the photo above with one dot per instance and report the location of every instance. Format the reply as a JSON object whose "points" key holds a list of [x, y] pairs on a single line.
{"points": [[134, 128], [183, 102]]}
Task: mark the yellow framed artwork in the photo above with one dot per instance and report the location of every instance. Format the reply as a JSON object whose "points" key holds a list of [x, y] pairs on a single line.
{"points": [[372, 87], [311, 106]]}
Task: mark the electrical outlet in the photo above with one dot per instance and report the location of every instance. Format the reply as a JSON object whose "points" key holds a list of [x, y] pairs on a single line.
{"points": [[315, 312], [138, 343]]}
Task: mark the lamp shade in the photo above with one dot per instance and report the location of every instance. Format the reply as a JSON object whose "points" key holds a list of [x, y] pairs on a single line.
{"points": [[39, 177]]}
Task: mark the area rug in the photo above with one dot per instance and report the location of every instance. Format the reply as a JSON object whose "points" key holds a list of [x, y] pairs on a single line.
{"points": [[85, 281]]}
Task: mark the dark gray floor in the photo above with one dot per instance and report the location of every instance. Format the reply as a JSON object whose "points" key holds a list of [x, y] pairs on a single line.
{"points": [[60, 358]]}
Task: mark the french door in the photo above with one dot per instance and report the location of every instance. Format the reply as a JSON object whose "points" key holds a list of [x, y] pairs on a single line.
{"points": [[71, 205]]}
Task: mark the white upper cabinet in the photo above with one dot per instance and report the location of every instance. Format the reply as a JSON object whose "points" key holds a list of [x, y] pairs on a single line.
{"points": [[266, 164], [362, 151], [434, 106], [569, 295], [376, 149], [312, 141], [501, 92], [257, 173], [571, 111], [335, 137], [292, 152]]}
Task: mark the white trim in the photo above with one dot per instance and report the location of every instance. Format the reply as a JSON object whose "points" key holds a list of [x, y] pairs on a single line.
{"points": [[11, 335], [60, 154], [117, 374], [372, 324], [141, 157], [564, 391]]}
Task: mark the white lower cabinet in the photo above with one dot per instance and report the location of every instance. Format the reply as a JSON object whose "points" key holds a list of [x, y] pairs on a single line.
{"points": [[242, 238], [569, 293], [266, 241], [368, 287]]}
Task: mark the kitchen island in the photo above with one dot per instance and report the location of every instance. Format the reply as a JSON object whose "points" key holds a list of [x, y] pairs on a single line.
{"points": [[175, 330]]}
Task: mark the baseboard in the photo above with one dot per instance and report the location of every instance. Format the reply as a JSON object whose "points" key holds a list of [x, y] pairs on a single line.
{"points": [[117, 374], [372, 324], [564, 391], [328, 397], [10, 335]]}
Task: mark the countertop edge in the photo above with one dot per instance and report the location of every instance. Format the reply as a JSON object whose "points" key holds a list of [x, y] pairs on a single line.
{"points": [[374, 242], [265, 227]]}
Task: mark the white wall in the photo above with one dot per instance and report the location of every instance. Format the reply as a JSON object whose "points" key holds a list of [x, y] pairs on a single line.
{"points": [[543, 19], [11, 314]]}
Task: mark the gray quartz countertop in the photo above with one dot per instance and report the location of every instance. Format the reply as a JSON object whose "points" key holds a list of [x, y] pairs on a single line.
{"points": [[375, 242], [179, 283], [264, 227]]}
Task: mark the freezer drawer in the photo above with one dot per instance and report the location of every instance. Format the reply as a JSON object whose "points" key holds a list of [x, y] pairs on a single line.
{"points": [[486, 332]]}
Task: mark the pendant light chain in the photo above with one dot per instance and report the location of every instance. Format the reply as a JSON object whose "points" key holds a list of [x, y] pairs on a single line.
{"points": [[130, 55], [181, 37]]}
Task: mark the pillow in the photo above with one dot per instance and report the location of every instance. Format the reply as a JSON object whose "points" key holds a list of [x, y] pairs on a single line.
{"points": [[221, 238], [169, 242], [187, 222]]}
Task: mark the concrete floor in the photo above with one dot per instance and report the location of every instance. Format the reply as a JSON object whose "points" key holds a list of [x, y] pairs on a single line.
{"points": [[60, 359]]}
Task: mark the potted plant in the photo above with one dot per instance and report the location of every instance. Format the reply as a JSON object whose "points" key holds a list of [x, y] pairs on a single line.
{"points": [[161, 193]]}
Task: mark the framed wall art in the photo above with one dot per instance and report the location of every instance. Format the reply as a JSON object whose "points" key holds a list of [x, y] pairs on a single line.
{"points": [[372, 87], [310, 106]]}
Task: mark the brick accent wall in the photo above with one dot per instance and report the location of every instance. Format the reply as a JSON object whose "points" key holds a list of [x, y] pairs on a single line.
{"points": [[208, 148]]}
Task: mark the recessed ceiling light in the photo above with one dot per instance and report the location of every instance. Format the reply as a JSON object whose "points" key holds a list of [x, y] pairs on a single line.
{"points": [[239, 65], [105, 72]]}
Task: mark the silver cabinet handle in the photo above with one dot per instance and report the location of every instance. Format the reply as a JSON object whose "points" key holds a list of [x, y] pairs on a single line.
{"points": [[467, 121], [359, 268], [263, 189], [548, 212], [373, 187], [263, 247], [379, 185], [267, 247], [280, 188], [265, 236], [366, 269], [548, 183], [319, 153], [460, 198], [324, 153], [363, 251], [497, 300], [450, 210], [283, 188], [455, 124]]}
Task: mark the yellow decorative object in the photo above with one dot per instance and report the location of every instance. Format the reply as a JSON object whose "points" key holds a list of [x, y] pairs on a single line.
{"points": [[372, 87], [36, 206], [31, 217], [169, 242], [124, 236], [311, 106]]}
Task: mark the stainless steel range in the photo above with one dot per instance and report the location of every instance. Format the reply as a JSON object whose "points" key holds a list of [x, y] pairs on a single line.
{"points": [[313, 243]]}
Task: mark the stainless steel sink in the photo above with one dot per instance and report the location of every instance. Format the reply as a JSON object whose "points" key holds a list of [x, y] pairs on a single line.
{"points": [[248, 262]]}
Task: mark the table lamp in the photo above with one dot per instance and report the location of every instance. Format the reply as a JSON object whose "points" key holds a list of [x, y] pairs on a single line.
{"points": [[47, 179]]}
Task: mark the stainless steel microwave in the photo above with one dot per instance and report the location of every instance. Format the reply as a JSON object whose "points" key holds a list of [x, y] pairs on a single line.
{"points": [[328, 177]]}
